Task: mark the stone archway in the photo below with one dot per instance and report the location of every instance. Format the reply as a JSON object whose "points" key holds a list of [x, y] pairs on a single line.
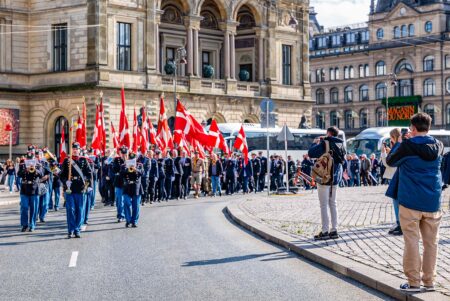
{"points": [[250, 118], [49, 127]]}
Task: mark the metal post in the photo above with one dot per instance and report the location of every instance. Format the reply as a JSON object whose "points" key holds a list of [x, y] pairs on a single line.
{"points": [[10, 145], [285, 155], [175, 89], [268, 147]]}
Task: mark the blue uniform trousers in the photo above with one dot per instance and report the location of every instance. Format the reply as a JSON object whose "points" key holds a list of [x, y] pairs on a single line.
{"points": [[132, 207], [28, 210], [43, 205], [94, 192], [119, 202], [75, 203], [57, 193], [87, 208]]}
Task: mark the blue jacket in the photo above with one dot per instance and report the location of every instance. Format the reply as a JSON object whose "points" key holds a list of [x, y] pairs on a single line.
{"points": [[417, 183], [317, 150]]}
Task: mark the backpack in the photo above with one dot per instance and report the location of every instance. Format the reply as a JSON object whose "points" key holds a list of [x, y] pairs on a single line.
{"points": [[322, 171]]}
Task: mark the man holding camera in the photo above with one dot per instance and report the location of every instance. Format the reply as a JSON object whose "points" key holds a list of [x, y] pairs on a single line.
{"points": [[417, 185]]}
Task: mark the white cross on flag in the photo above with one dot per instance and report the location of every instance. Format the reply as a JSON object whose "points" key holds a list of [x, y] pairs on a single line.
{"points": [[240, 143]]}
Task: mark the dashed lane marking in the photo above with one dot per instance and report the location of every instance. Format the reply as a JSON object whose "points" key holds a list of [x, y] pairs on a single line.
{"points": [[73, 259]]}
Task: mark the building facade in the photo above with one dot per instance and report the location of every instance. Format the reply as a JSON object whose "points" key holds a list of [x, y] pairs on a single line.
{"points": [[402, 53], [55, 52]]}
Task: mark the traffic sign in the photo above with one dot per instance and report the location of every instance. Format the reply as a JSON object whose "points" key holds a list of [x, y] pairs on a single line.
{"points": [[267, 103], [285, 134]]}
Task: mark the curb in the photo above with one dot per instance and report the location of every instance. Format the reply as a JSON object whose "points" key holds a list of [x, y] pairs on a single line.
{"points": [[9, 202], [371, 277]]}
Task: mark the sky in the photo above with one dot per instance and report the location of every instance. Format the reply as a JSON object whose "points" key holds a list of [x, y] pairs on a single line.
{"points": [[332, 13]]}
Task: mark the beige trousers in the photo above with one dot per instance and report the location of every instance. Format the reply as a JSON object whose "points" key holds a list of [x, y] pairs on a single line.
{"points": [[413, 224]]}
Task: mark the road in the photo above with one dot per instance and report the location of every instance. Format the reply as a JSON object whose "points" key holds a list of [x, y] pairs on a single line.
{"points": [[182, 250]]}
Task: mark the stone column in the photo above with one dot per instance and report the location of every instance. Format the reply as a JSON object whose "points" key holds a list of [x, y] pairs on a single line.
{"points": [[190, 54], [227, 55], [260, 35], [152, 39], [196, 54], [158, 51], [233, 56]]}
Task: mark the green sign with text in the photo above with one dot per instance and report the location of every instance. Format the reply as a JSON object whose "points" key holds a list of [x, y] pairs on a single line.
{"points": [[401, 109]]}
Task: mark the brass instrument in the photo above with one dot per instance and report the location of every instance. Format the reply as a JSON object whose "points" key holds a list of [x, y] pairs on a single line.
{"points": [[49, 156], [69, 191], [132, 169], [55, 170], [32, 169]]}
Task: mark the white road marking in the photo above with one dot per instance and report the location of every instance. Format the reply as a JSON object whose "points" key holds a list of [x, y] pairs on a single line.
{"points": [[73, 259], [83, 228]]}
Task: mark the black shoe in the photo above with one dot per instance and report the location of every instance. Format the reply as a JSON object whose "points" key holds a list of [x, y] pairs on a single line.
{"points": [[334, 235], [133, 225], [86, 223], [393, 229], [322, 236], [31, 230], [398, 231], [119, 220], [77, 235], [56, 209], [69, 236], [220, 193], [127, 224], [24, 229], [42, 221]]}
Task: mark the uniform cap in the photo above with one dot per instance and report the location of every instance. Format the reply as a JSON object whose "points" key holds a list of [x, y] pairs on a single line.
{"points": [[132, 156], [123, 149], [76, 145]]}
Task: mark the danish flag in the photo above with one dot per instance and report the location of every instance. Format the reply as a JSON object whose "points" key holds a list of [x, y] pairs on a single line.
{"points": [[240, 143], [124, 138], [217, 137], [114, 136], [134, 148], [144, 133], [62, 145], [163, 133]]}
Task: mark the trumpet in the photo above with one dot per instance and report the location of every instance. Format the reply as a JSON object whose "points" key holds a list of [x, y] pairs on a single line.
{"points": [[31, 169], [55, 170], [49, 156], [132, 169]]}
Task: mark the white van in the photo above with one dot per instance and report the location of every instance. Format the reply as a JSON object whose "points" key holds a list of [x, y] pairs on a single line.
{"points": [[371, 140]]}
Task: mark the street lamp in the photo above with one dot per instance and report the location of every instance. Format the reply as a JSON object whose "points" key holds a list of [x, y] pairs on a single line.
{"points": [[391, 80], [180, 57]]}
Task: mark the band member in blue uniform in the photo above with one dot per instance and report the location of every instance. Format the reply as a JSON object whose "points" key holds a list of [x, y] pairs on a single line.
{"points": [[178, 168], [187, 172], [262, 174], [145, 161], [75, 188], [160, 188], [230, 175], [56, 186], [132, 172], [44, 193], [29, 198], [152, 177], [169, 170], [118, 181]]}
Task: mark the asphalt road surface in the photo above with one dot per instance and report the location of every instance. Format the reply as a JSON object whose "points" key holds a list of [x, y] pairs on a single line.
{"points": [[182, 250]]}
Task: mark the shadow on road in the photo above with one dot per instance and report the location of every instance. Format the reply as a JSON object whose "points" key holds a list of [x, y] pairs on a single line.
{"points": [[234, 259]]}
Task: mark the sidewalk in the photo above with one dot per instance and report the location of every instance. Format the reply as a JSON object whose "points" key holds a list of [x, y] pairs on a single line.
{"points": [[6, 198], [365, 217]]}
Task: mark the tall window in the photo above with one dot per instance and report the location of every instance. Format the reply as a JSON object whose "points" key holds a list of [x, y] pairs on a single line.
{"points": [[334, 95], [170, 54], [380, 33], [320, 96], [59, 47], [349, 120], [396, 32], [348, 94], [364, 93], [352, 72], [429, 109], [363, 119], [380, 91], [380, 68], [365, 36], [447, 85], [287, 65], [381, 116], [320, 75], [334, 120], [448, 114], [206, 60], [404, 31], [428, 63], [366, 70], [447, 61], [405, 87], [428, 27], [337, 73], [332, 74], [346, 73], [429, 87], [350, 38], [124, 46], [60, 122], [411, 30], [320, 120], [361, 70], [336, 40]]}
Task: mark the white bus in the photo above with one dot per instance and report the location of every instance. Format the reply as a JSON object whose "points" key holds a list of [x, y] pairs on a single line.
{"points": [[256, 139], [371, 140]]}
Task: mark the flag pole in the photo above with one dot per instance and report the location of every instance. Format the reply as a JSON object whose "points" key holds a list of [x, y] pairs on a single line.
{"points": [[10, 144]]}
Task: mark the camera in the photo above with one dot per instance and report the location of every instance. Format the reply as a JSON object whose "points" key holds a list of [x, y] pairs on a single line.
{"points": [[404, 132]]}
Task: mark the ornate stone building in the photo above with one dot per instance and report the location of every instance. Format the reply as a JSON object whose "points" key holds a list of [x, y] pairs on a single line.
{"points": [[350, 65], [55, 52]]}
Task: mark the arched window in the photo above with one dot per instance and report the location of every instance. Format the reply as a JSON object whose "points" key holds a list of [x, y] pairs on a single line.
{"points": [[337, 73], [430, 110], [320, 120], [396, 32], [405, 87], [380, 91], [366, 70], [59, 124], [346, 73], [404, 31], [428, 26], [428, 63], [429, 87], [380, 68], [334, 95], [352, 72], [380, 117], [403, 65], [364, 93], [348, 94], [172, 15], [361, 70], [320, 96], [411, 30], [380, 33], [349, 119], [447, 61], [448, 114], [332, 74], [363, 118], [447, 85], [334, 120]]}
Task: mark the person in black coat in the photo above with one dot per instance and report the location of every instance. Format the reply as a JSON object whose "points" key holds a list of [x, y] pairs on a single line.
{"points": [[160, 184], [29, 198], [230, 174], [153, 176], [142, 159], [215, 171], [263, 172], [256, 165], [169, 170], [176, 187], [186, 165], [132, 189], [56, 187], [246, 174]]}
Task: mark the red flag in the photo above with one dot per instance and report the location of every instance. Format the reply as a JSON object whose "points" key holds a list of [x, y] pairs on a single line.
{"points": [[114, 136], [199, 148], [186, 123], [103, 126], [240, 143], [135, 133], [144, 133], [79, 130], [83, 126], [96, 138], [152, 133], [163, 132], [124, 135], [185, 146], [62, 145], [217, 137]]}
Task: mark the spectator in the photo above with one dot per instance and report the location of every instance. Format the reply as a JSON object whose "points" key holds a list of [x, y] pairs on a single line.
{"points": [[389, 173], [11, 171], [365, 170], [215, 172], [327, 193], [417, 185], [375, 166], [355, 168], [307, 165]]}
